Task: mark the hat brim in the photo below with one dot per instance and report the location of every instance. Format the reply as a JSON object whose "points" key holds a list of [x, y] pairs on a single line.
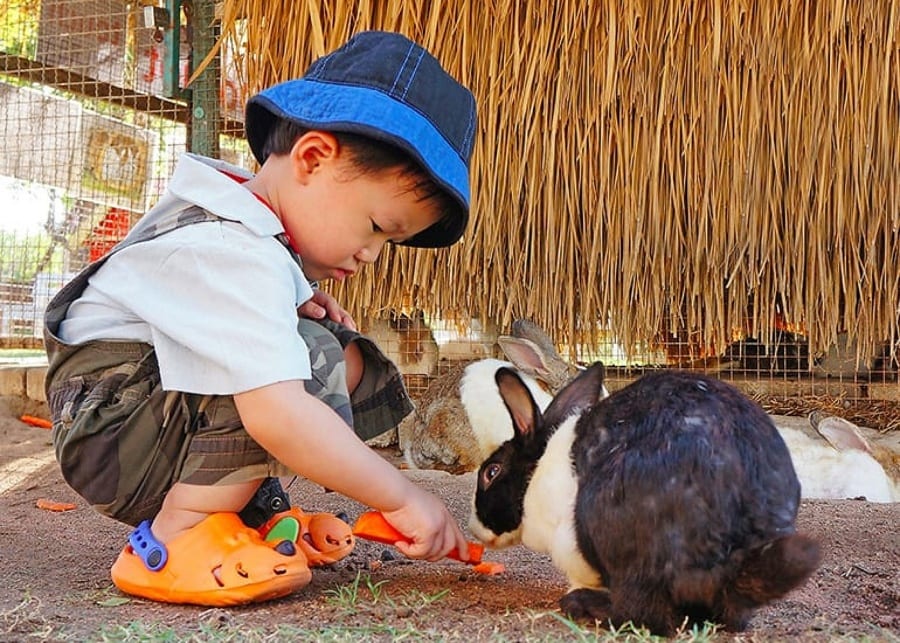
{"points": [[369, 112]]}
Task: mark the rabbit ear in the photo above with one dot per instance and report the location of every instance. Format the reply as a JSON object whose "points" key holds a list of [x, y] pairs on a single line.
{"points": [[533, 352], [536, 360], [518, 400], [840, 433], [579, 394], [525, 354], [526, 329]]}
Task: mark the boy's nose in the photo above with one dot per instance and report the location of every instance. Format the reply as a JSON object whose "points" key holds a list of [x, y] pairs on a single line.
{"points": [[369, 253]]}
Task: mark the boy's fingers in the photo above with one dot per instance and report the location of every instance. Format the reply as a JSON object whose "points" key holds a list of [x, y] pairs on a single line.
{"points": [[462, 545], [444, 544], [430, 551], [409, 549], [337, 314], [341, 316], [312, 310]]}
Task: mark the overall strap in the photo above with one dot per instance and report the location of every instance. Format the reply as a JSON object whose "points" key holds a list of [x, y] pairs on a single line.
{"points": [[59, 305], [283, 240], [192, 214]]}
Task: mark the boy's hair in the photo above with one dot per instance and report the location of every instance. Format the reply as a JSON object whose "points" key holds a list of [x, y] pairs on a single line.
{"points": [[371, 156]]}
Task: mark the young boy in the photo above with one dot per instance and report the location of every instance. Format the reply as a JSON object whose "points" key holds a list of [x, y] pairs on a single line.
{"points": [[193, 362]]}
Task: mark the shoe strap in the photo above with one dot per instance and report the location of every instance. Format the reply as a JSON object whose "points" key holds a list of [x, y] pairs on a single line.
{"points": [[148, 548]]}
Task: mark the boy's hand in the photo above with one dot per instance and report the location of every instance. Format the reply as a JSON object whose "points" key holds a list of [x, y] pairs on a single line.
{"points": [[431, 530], [324, 305]]}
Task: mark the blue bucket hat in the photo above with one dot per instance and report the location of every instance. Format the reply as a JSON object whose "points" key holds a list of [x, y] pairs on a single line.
{"points": [[386, 87]]}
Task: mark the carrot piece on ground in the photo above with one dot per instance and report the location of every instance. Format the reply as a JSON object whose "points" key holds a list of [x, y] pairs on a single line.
{"points": [[490, 568], [51, 505], [41, 423]]}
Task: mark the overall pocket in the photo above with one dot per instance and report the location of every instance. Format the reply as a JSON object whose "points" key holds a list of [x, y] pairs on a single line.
{"points": [[92, 424]]}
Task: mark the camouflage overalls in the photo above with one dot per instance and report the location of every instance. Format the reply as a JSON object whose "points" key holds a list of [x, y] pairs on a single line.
{"points": [[122, 441]]}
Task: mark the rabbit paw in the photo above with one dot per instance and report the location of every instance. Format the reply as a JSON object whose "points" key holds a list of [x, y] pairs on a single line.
{"points": [[586, 604]]}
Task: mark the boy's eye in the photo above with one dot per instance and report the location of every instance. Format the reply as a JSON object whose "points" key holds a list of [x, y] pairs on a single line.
{"points": [[375, 227]]}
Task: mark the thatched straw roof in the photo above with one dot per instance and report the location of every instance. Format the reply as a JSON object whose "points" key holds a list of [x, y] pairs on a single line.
{"points": [[652, 167]]}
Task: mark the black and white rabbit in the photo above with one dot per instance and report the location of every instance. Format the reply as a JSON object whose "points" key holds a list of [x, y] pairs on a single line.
{"points": [[673, 499]]}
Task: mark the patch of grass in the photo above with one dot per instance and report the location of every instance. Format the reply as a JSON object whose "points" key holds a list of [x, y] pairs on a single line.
{"points": [[363, 610], [25, 619], [235, 633], [630, 633], [349, 633], [364, 596], [136, 631], [348, 597], [540, 627]]}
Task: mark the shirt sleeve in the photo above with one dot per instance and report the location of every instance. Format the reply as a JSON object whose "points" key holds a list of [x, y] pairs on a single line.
{"points": [[221, 304]]}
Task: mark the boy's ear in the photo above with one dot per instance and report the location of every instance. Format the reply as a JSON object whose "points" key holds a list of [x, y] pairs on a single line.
{"points": [[311, 150]]}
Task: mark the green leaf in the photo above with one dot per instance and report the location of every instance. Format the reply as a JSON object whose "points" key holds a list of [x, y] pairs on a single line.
{"points": [[114, 601]]}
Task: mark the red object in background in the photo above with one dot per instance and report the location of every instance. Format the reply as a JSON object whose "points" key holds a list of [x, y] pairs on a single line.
{"points": [[111, 229], [32, 420]]}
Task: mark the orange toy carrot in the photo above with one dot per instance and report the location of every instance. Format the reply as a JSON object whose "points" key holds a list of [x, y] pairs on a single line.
{"points": [[36, 421], [372, 526]]}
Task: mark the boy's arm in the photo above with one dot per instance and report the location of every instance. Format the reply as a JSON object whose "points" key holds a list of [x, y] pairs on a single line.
{"points": [[308, 437]]}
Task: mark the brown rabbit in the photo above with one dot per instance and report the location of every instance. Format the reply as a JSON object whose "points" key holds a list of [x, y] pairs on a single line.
{"points": [[439, 433]]}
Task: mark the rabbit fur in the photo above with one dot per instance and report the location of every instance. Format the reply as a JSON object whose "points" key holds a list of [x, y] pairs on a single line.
{"points": [[439, 434], [836, 467], [672, 500], [461, 419], [841, 463]]}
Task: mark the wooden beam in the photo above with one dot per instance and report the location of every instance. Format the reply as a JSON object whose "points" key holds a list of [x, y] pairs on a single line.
{"points": [[71, 81], [76, 83]]}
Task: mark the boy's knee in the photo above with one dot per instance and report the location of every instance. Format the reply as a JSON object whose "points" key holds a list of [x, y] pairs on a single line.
{"points": [[355, 365]]}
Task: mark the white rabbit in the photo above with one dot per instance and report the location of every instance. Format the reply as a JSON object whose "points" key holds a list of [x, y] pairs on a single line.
{"points": [[841, 463]]}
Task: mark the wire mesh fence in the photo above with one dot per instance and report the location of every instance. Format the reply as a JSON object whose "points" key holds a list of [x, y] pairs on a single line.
{"points": [[96, 110], [95, 116]]}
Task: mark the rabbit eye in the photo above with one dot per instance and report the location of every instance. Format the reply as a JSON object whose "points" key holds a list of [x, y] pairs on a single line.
{"points": [[491, 472]]}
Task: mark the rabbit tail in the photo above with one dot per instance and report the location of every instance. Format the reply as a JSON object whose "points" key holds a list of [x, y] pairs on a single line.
{"points": [[770, 572]]}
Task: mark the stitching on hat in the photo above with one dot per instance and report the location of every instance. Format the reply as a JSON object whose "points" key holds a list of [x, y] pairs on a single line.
{"points": [[321, 67], [400, 71], [470, 128], [413, 73]]}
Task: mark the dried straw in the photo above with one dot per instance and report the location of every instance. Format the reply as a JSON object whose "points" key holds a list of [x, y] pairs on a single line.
{"points": [[704, 169]]}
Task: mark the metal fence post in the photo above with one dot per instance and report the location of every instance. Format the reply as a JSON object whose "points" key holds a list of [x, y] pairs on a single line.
{"points": [[204, 122]]}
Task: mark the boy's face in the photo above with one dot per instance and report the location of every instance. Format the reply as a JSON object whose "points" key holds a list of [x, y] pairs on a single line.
{"points": [[339, 217]]}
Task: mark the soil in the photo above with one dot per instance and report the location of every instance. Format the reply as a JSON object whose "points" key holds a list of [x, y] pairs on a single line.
{"points": [[54, 575]]}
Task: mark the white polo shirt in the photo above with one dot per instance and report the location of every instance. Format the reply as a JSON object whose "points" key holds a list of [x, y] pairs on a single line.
{"points": [[217, 300]]}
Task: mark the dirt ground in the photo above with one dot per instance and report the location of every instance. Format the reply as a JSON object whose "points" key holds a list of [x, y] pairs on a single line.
{"points": [[54, 575]]}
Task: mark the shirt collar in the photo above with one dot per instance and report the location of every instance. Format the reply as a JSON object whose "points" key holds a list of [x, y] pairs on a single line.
{"points": [[211, 184]]}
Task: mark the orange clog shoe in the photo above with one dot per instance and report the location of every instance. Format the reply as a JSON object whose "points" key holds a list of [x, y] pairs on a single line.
{"points": [[323, 537], [218, 562]]}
